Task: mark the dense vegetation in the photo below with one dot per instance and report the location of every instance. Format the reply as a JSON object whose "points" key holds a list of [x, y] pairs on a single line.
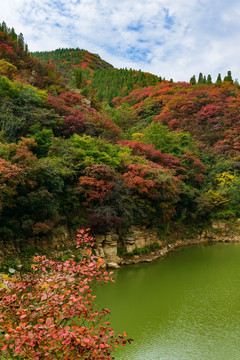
{"points": [[51, 313], [159, 153], [164, 154], [98, 76]]}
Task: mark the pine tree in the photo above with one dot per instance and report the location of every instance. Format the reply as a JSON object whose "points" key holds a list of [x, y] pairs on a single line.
{"points": [[209, 79], [228, 77], [219, 79], [78, 78], [21, 40], [193, 80], [200, 78], [4, 27]]}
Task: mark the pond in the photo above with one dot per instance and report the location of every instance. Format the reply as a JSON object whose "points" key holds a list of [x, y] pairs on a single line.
{"points": [[183, 307]]}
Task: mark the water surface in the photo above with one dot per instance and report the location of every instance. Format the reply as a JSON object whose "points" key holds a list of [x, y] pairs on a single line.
{"points": [[183, 307]]}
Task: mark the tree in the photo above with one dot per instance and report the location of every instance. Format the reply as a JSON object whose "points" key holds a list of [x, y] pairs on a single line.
{"points": [[219, 79], [229, 77], [51, 313], [21, 40], [78, 78], [209, 79], [200, 78], [193, 80]]}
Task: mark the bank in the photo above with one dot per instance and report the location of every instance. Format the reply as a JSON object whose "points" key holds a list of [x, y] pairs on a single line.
{"points": [[138, 245]]}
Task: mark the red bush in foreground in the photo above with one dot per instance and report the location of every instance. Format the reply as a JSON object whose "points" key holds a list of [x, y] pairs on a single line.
{"points": [[51, 314]]}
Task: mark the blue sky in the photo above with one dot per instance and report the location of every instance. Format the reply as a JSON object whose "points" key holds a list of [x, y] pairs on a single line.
{"points": [[171, 38]]}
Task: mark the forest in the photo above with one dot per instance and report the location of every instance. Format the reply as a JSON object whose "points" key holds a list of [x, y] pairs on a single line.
{"points": [[166, 153], [100, 148]]}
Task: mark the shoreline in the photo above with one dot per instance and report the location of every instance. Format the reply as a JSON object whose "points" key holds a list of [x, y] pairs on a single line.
{"points": [[166, 249]]}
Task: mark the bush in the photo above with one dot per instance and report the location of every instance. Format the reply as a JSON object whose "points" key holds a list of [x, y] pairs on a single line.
{"points": [[51, 313]]}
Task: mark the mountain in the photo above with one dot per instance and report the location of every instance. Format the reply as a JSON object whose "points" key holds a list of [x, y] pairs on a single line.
{"points": [[99, 76], [163, 154]]}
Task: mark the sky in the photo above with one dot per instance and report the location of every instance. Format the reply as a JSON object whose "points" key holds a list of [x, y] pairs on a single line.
{"points": [[170, 38]]}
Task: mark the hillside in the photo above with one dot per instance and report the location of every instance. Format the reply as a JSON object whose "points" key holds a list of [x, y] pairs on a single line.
{"points": [[165, 155], [99, 76]]}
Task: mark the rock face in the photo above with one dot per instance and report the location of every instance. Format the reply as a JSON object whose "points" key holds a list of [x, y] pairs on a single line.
{"points": [[106, 247], [107, 244], [139, 237]]}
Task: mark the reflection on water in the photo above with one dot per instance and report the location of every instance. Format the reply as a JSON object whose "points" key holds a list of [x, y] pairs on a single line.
{"points": [[183, 307]]}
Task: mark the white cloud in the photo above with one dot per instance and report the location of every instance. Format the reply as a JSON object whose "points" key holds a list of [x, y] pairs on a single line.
{"points": [[171, 38]]}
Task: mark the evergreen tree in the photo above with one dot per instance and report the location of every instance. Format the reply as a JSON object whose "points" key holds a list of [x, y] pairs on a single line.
{"points": [[4, 27], [219, 79], [209, 79], [228, 77], [200, 78], [193, 80], [78, 78], [204, 80], [13, 34], [21, 40]]}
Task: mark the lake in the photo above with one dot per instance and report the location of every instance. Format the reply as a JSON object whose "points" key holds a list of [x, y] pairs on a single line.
{"points": [[183, 307]]}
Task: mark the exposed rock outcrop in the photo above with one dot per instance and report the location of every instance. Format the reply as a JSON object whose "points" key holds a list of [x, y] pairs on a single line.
{"points": [[107, 244]]}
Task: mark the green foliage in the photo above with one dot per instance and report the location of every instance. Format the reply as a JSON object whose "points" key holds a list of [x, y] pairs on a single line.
{"points": [[78, 78], [43, 139], [169, 142], [125, 117], [225, 196], [62, 156], [144, 250]]}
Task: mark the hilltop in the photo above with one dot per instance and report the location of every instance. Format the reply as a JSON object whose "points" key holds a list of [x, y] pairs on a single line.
{"points": [[98, 76]]}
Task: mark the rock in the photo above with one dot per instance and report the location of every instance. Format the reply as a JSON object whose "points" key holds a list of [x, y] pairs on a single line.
{"points": [[113, 265], [12, 271], [130, 247], [99, 239], [140, 243], [108, 239]]}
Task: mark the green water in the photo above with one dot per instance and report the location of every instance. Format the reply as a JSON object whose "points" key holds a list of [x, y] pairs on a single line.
{"points": [[183, 307]]}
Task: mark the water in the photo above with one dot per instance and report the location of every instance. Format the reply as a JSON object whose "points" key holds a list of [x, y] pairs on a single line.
{"points": [[183, 307]]}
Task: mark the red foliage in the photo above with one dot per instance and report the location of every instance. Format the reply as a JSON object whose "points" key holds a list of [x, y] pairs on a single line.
{"points": [[71, 99], [194, 169], [75, 124], [58, 104], [51, 313], [97, 184], [150, 153], [41, 228], [210, 113], [102, 125], [151, 180]]}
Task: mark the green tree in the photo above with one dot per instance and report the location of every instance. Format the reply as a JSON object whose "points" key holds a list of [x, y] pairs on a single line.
{"points": [[219, 79], [209, 79], [228, 77], [200, 78], [78, 78], [193, 80]]}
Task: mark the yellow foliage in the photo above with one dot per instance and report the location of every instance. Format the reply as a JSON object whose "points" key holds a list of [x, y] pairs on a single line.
{"points": [[137, 136], [226, 178], [216, 198]]}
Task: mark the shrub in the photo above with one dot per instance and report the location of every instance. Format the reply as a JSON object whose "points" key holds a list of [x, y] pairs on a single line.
{"points": [[51, 313]]}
